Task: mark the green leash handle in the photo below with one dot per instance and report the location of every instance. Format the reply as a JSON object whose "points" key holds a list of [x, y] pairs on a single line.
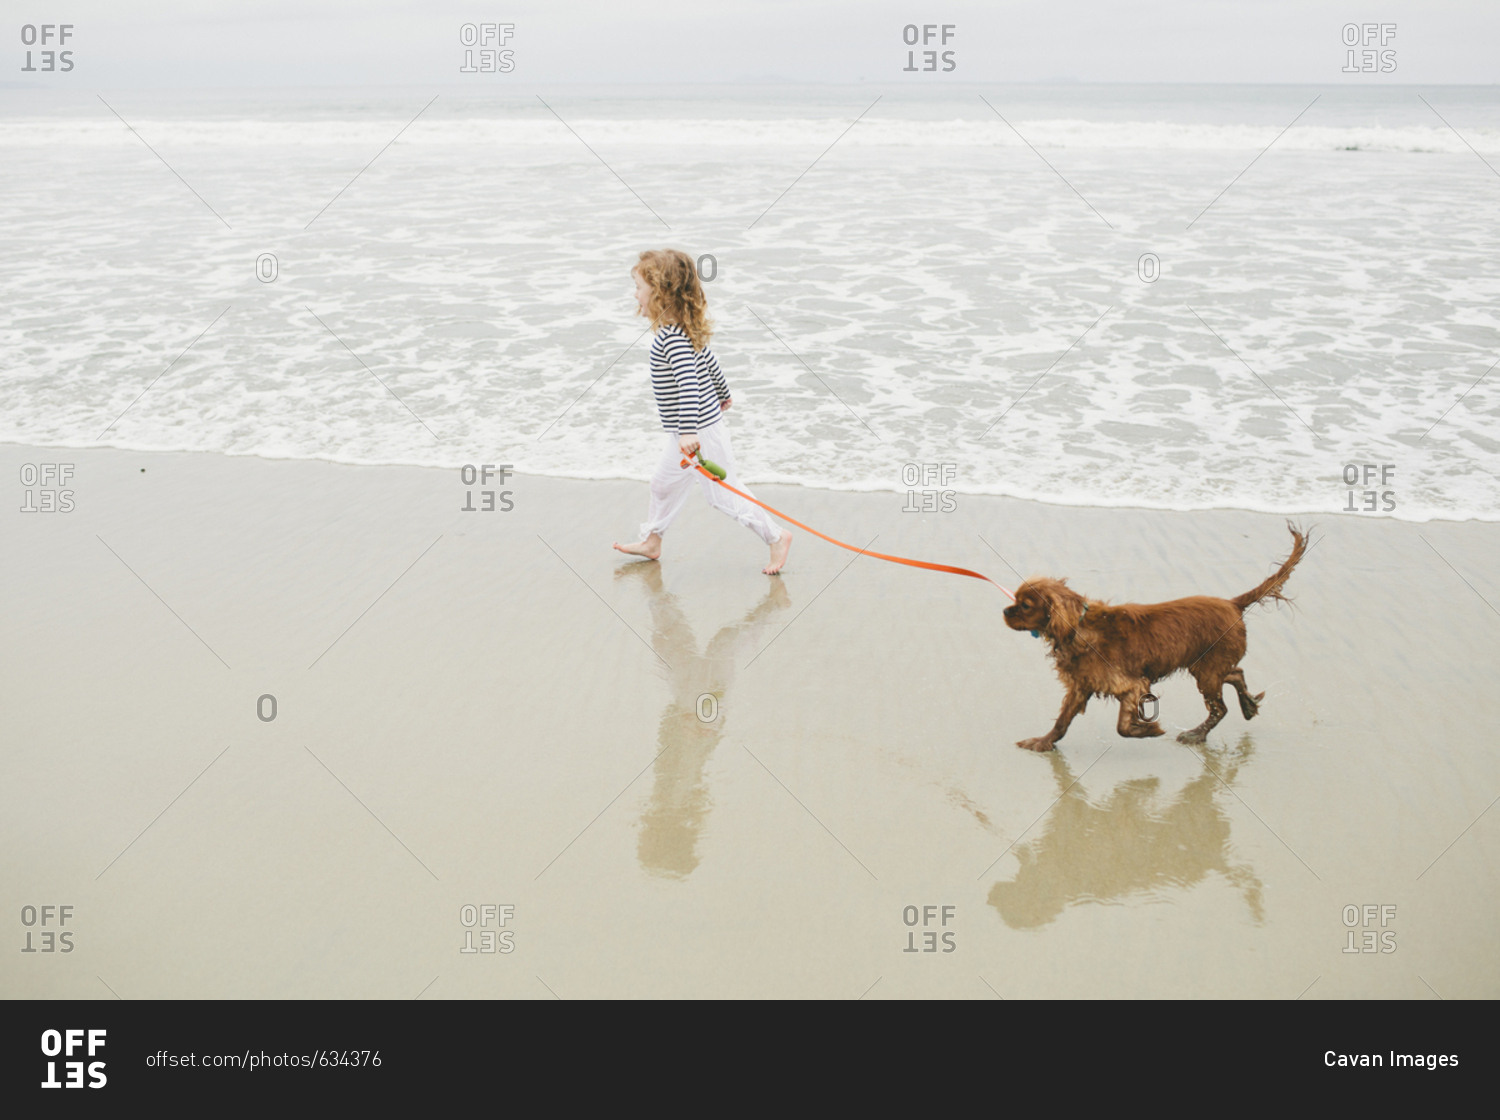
{"points": [[709, 465]]}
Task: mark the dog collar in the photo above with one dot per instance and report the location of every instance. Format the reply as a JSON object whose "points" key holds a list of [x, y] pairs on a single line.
{"points": [[1034, 633]]}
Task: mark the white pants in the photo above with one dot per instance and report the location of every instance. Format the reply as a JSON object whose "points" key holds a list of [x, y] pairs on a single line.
{"points": [[670, 484]]}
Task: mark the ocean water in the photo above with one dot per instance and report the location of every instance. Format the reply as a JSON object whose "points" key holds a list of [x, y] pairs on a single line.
{"points": [[956, 278]]}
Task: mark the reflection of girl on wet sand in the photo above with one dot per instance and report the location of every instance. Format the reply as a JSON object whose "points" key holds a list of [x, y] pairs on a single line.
{"points": [[691, 398], [679, 803], [1127, 844]]}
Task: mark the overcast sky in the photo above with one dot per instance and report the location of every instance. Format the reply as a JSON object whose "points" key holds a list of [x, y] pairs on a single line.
{"points": [[123, 44]]}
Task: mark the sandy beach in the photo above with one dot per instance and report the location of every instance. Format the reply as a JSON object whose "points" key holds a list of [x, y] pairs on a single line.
{"points": [[690, 779]]}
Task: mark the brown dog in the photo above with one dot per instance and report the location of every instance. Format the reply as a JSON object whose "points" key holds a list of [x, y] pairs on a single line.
{"points": [[1102, 650]]}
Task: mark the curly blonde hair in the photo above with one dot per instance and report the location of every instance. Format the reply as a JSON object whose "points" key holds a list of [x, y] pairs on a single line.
{"points": [[676, 294]]}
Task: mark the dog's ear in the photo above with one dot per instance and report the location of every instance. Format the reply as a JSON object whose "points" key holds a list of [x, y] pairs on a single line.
{"points": [[1065, 608]]}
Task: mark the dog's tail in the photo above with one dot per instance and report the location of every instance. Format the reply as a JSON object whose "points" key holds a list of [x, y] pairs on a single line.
{"points": [[1270, 588]]}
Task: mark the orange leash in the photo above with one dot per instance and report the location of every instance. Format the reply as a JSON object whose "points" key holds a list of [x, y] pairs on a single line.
{"points": [[852, 548]]}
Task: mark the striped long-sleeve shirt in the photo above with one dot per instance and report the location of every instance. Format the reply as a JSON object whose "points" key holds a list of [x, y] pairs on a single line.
{"points": [[688, 383]]}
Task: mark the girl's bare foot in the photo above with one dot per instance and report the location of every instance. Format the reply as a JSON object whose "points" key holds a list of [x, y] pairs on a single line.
{"points": [[649, 549], [779, 550]]}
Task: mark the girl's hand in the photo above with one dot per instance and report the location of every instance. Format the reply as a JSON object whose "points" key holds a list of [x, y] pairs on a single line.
{"points": [[724, 405], [688, 443]]}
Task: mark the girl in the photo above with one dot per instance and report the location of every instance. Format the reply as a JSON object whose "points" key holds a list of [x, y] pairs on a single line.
{"points": [[691, 397]]}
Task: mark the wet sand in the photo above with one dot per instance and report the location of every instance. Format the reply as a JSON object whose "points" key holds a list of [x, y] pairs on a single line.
{"points": [[690, 779]]}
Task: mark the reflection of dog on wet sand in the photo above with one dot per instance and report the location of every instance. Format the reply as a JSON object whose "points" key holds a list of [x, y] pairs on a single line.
{"points": [[1121, 651], [1126, 844]]}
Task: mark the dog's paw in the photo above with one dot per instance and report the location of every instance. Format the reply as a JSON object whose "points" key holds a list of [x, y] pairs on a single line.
{"points": [[1250, 705], [1151, 730], [1035, 744], [1193, 737]]}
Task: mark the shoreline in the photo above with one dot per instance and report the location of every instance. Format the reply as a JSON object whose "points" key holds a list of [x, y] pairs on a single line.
{"points": [[1299, 515]]}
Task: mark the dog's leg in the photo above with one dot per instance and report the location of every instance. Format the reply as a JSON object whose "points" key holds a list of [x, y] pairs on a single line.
{"points": [[1073, 703], [1132, 725], [1249, 705], [1211, 684]]}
